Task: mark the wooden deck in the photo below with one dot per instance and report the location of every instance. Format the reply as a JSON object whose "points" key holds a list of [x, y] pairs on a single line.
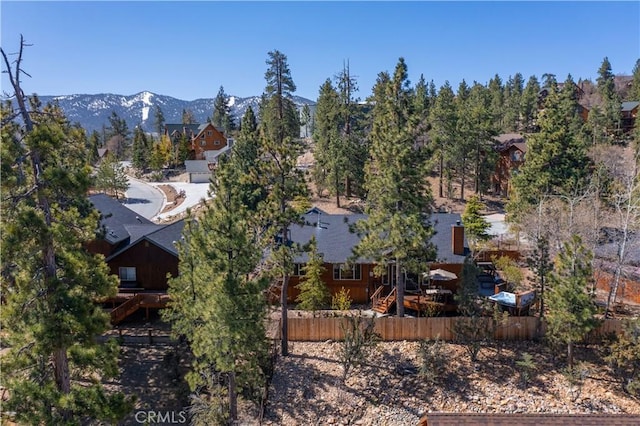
{"points": [[126, 303], [430, 300]]}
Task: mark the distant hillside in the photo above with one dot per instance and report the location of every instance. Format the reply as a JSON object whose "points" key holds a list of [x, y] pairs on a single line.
{"points": [[93, 111]]}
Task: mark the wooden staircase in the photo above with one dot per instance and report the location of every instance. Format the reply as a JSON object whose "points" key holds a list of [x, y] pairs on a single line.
{"points": [[380, 304], [126, 308]]}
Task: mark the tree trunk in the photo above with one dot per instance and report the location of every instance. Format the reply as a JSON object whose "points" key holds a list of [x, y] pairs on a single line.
{"points": [[441, 189], [284, 318], [399, 289], [233, 397], [337, 188], [347, 187], [570, 354], [462, 180]]}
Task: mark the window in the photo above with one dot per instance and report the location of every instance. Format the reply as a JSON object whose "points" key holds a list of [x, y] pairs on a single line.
{"points": [[298, 269], [202, 136], [343, 272], [216, 142], [203, 142], [127, 273], [209, 132]]}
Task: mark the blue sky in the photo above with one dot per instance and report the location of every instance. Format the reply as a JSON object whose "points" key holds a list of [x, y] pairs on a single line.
{"points": [[189, 49]]}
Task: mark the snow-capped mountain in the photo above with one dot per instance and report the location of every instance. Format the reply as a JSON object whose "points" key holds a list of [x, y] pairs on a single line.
{"points": [[93, 111]]}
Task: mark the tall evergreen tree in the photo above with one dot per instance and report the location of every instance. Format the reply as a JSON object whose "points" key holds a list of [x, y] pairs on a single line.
{"points": [[328, 147], [444, 118], [305, 118], [280, 148], [352, 137], [496, 92], [49, 282], [141, 149], [222, 118], [634, 92], [571, 310], [246, 152], [513, 91], [462, 146], [215, 305], [397, 230], [93, 144], [529, 103], [158, 120], [557, 159], [610, 99]]}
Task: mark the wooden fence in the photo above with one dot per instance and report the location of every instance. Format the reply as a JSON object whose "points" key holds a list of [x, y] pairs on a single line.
{"points": [[393, 328]]}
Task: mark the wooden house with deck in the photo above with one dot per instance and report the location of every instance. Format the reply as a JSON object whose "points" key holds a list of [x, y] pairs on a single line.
{"points": [[335, 243], [141, 253]]}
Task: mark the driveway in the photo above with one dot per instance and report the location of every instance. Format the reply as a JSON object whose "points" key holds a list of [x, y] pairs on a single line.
{"points": [[144, 199], [194, 194]]}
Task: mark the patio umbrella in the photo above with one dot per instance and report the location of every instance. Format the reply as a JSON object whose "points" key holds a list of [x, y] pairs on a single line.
{"points": [[440, 275]]}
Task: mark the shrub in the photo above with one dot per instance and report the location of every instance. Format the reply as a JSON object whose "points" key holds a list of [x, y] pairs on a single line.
{"points": [[624, 357], [433, 360], [359, 335], [341, 300], [526, 367]]}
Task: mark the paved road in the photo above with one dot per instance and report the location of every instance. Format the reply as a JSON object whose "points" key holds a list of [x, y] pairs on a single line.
{"points": [[144, 199]]}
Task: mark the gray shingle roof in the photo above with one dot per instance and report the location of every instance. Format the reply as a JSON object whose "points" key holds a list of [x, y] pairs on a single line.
{"points": [[336, 242], [166, 237], [629, 106], [116, 218]]}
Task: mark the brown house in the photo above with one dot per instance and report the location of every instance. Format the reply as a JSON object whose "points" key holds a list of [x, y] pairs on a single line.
{"points": [[511, 148], [629, 112], [206, 140], [336, 242], [140, 253]]}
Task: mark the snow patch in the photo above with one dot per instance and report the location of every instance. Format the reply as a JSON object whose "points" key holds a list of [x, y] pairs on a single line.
{"points": [[232, 101], [145, 113]]}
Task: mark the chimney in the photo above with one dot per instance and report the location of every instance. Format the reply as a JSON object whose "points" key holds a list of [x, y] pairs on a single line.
{"points": [[457, 238]]}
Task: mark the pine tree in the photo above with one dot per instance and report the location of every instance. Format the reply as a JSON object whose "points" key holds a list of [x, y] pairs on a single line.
{"points": [[634, 92], [557, 159], [444, 118], [141, 149], [610, 99], [92, 147], [571, 310], [246, 152], [280, 148], [496, 93], [50, 283], [398, 197], [475, 225], [353, 147], [222, 118], [329, 150], [305, 118], [215, 305], [158, 120], [513, 91], [111, 177], [313, 291], [529, 103]]}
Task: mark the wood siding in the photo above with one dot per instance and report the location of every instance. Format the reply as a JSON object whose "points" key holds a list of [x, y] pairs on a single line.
{"points": [[504, 169], [206, 141], [359, 290], [151, 262]]}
